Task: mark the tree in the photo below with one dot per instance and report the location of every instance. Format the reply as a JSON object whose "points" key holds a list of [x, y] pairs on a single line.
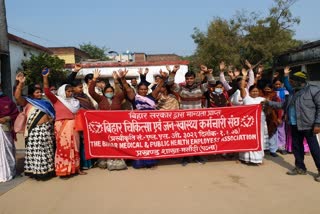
{"points": [[258, 39], [94, 51], [34, 66]]}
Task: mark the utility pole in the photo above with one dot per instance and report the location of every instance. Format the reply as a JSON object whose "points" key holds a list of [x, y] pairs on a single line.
{"points": [[4, 53]]}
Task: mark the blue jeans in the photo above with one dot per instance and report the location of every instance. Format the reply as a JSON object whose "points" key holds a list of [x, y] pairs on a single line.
{"points": [[298, 148]]}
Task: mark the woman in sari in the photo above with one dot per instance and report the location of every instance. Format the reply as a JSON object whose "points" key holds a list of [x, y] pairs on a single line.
{"points": [[8, 114], [142, 101], [254, 157], [67, 158], [39, 136]]}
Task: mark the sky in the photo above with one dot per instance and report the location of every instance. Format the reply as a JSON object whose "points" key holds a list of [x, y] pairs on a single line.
{"points": [[149, 26]]}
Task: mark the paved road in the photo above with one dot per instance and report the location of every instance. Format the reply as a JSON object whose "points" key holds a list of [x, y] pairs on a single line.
{"points": [[219, 186]]}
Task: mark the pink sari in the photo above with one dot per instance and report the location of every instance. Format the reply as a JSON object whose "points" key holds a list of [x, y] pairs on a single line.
{"points": [[289, 141]]}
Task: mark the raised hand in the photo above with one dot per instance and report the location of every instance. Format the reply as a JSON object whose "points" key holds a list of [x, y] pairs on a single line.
{"points": [[115, 75], [244, 72], [163, 74], [287, 70], [45, 72], [260, 69], [258, 76], [96, 73], [140, 70], [20, 77], [248, 64], [203, 68], [175, 68], [230, 74], [122, 73], [222, 66], [168, 68], [77, 67], [236, 73]]}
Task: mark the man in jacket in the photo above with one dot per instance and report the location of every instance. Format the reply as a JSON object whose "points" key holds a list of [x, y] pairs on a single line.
{"points": [[303, 110]]}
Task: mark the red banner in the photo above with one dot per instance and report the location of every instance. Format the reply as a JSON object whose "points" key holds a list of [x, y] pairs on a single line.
{"points": [[167, 134]]}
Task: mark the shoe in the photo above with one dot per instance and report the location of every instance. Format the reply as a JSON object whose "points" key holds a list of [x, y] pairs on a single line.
{"points": [[273, 154], [283, 152], [184, 161], [199, 159], [297, 171], [317, 177]]}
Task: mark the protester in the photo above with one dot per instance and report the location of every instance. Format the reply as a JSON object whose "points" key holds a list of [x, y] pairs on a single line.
{"points": [[86, 104], [109, 101], [254, 157], [85, 85], [304, 118], [67, 158], [190, 94], [142, 101], [39, 136], [8, 114], [167, 100], [273, 119]]}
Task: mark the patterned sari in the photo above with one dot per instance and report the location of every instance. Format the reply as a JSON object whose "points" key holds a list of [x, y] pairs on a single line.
{"points": [[39, 157], [67, 159]]}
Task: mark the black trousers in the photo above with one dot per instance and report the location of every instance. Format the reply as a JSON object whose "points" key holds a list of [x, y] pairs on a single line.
{"points": [[298, 148]]}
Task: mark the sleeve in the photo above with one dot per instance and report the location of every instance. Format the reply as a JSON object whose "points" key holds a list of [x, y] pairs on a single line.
{"points": [[224, 82], [287, 85], [93, 93], [53, 99], [251, 78]]}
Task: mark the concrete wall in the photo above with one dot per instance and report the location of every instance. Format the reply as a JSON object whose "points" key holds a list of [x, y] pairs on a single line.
{"points": [[18, 53]]}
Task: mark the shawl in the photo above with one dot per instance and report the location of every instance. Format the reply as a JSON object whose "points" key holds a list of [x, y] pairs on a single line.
{"points": [[70, 102]]}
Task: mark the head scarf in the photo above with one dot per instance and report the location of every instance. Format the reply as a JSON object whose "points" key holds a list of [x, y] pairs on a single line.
{"points": [[70, 102]]}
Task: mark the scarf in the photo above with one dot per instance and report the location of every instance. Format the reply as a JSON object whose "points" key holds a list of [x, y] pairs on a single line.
{"points": [[70, 102], [281, 93], [85, 101], [44, 106], [144, 103]]}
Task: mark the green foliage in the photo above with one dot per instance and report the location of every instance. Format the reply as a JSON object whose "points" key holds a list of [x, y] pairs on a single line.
{"points": [[247, 36], [34, 66], [94, 51]]}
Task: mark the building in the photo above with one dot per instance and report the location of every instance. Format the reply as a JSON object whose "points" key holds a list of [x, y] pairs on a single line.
{"points": [[20, 50], [303, 58], [70, 55]]}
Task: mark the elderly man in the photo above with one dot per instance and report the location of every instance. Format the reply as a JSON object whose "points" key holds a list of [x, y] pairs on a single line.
{"points": [[303, 109]]}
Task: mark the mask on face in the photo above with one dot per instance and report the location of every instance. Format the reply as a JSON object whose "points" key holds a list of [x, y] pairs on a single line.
{"points": [[108, 95], [218, 90]]}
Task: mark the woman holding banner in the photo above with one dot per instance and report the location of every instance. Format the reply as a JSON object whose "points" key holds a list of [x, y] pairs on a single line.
{"points": [[111, 100], [39, 136], [142, 101], [254, 157], [67, 158]]}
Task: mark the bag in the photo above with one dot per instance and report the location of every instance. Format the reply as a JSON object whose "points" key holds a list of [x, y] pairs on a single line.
{"points": [[116, 164], [20, 122]]}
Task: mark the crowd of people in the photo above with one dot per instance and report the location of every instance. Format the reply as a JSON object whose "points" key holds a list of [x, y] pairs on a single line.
{"points": [[54, 145]]}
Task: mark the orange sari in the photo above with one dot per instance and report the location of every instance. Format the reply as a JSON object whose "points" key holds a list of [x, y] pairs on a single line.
{"points": [[67, 159]]}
